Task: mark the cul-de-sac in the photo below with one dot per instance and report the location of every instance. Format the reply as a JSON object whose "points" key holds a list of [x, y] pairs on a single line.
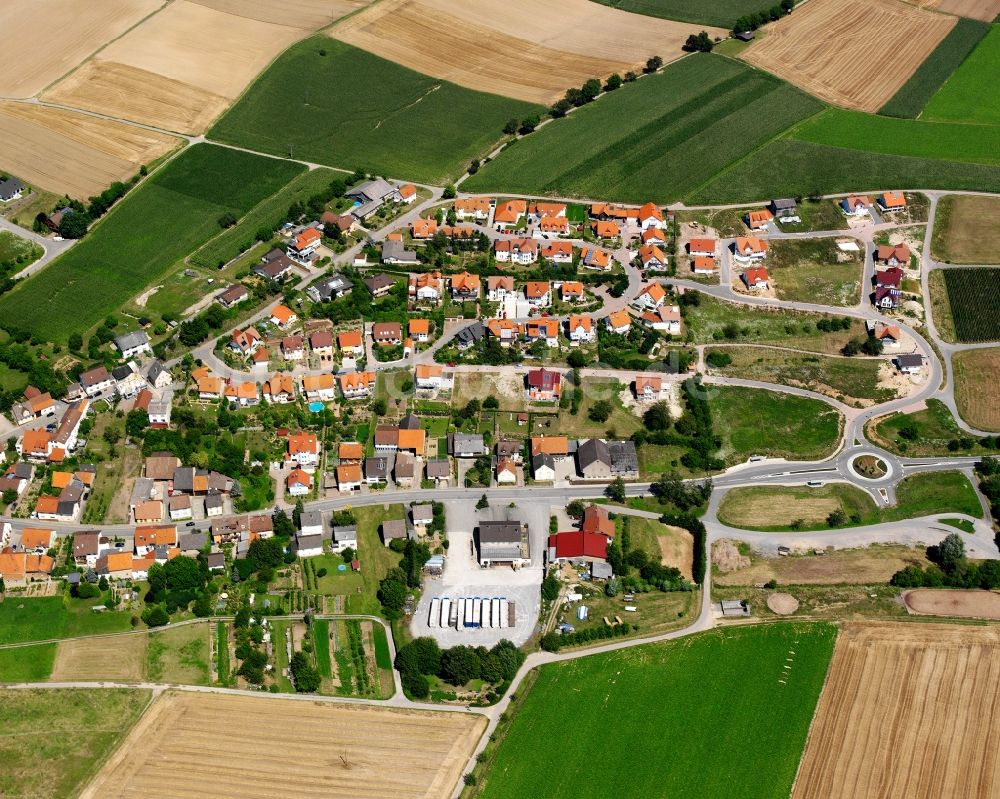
{"points": [[473, 400]]}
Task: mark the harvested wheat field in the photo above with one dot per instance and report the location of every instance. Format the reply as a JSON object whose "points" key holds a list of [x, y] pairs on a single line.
{"points": [[986, 10], [326, 749], [524, 49], [72, 153], [179, 69], [854, 53], [945, 602], [907, 710], [115, 657], [976, 375], [306, 14], [45, 39]]}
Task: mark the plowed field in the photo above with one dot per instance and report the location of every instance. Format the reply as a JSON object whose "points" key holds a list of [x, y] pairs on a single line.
{"points": [[986, 10], [907, 710], [240, 747]]}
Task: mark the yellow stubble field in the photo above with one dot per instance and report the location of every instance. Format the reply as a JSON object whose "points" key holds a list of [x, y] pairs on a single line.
{"points": [[853, 53], [217, 746]]}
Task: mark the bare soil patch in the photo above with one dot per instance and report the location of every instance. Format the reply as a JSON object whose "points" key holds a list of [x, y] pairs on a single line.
{"points": [[328, 749], [80, 155], [782, 604], [986, 10], [967, 229], [943, 602], [45, 39], [907, 710], [854, 53], [306, 14], [115, 657], [524, 49], [727, 557], [677, 549]]}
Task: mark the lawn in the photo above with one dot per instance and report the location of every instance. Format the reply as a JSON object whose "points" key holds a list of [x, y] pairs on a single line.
{"points": [[321, 640], [376, 558], [335, 582], [976, 375], [809, 168], [12, 380], [27, 663], [179, 655], [345, 107], [837, 377], [967, 230], [270, 213], [972, 93], [753, 421], [54, 740], [35, 619], [975, 303], [597, 389], [911, 98], [16, 253], [163, 220], [721, 13], [707, 322], [814, 270], [781, 508], [666, 719], [856, 130], [935, 427], [657, 139]]}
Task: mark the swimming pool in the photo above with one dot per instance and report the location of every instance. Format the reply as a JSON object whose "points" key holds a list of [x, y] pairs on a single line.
{"points": [[316, 407]]}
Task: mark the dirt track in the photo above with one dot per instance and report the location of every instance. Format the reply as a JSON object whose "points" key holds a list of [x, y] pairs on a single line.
{"points": [[908, 710], [947, 602], [216, 746], [854, 53]]}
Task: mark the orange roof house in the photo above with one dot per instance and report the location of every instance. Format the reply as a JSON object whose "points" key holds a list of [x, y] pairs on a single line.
{"points": [[353, 382], [119, 562], [280, 384], [759, 219], [282, 315], [583, 322], [310, 237], [412, 440], [244, 392], [407, 192], [593, 258], [155, 535], [478, 207], [547, 209], [756, 277], [619, 321], [302, 442], [47, 505], [423, 228], [653, 236], [571, 290], [510, 211], [320, 382], [419, 327], [651, 255], [35, 443], [606, 229], [646, 385], [549, 445], [704, 247], [61, 479], [536, 289], [750, 247], [350, 451], [553, 224], [558, 250], [349, 340], [349, 474], [465, 283], [892, 200], [702, 264]]}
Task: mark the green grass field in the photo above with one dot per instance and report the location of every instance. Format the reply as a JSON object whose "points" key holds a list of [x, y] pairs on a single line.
{"points": [[163, 220], [54, 740], [911, 98], [721, 13], [179, 655], [838, 127], [719, 714], [321, 639], [753, 421], [935, 427], [349, 108], [268, 214], [27, 664], [808, 168], [657, 139], [972, 93]]}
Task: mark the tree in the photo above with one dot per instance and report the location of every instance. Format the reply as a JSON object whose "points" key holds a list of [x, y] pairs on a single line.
{"points": [[630, 76], [657, 417], [491, 403], [297, 511], [550, 588], [591, 89], [653, 64], [837, 518], [74, 225], [511, 127], [909, 431], [265, 553], [304, 674], [718, 359], [483, 503], [616, 490], [575, 509], [102, 584], [701, 42], [75, 342], [379, 407], [560, 108], [228, 220], [155, 616], [613, 82], [528, 124], [136, 423], [950, 552], [460, 664], [600, 411]]}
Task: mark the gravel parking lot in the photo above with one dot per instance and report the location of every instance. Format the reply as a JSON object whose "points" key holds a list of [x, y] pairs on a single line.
{"points": [[463, 575]]}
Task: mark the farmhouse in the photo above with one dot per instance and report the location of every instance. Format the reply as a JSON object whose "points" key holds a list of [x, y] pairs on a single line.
{"points": [[132, 344], [518, 251], [20, 568], [581, 328], [749, 248], [503, 544], [577, 546], [756, 277], [758, 220], [785, 210], [593, 459], [233, 295], [543, 385], [95, 381]]}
